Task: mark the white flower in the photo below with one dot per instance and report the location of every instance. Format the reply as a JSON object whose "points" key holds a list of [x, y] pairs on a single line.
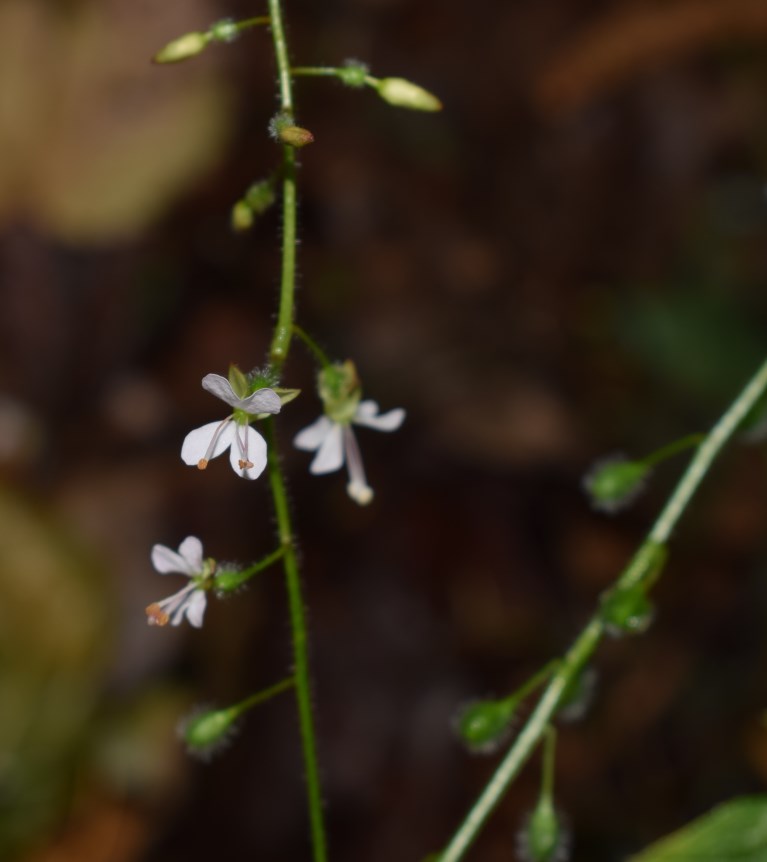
{"points": [[189, 601], [247, 448], [335, 444]]}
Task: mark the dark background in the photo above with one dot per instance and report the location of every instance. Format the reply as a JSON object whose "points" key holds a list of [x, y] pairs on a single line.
{"points": [[568, 261]]}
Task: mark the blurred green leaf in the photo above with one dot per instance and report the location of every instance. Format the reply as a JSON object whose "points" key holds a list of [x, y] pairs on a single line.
{"points": [[733, 832]]}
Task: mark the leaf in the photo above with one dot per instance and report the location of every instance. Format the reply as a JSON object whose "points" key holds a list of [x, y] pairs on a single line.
{"points": [[733, 832]]}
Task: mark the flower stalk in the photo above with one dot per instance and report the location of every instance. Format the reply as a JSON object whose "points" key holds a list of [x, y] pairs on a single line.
{"points": [[634, 575]]}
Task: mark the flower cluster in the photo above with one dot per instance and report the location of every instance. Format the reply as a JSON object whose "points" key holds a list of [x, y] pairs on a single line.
{"points": [[330, 437]]}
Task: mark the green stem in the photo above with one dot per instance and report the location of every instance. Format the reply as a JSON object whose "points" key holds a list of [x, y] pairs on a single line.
{"points": [[283, 331], [317, 71], [549, 752], [300, 651], [252, 22], [534, 682], [318, 352], [589, 639], [228, 581], [262, 696], [673, 448]]}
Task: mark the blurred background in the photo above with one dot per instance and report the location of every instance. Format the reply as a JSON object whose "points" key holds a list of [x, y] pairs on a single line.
{"points": [[568, 261]]}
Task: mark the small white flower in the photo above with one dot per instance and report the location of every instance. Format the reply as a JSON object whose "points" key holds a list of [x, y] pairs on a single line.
{"points": [[189, 601], [335, 444], [247, 448]]}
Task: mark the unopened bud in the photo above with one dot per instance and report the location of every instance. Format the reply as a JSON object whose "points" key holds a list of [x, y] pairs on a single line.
{"points": [[207, 732], [405, 94], [182, 48], [242, 217], [614, 483], [484, 725], [295, 136], [353, 73], [225, 30], [627, 611], [544, 837]]}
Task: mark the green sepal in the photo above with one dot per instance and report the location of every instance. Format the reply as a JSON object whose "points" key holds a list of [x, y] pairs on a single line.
{"points": [[627, 610], [340, 390], [239, 382], [354, 73], [287, 395], [483, 725], [204, 732], [544, 834]]}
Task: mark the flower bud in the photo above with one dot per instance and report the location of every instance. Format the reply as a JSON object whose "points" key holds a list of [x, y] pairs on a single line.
{"points": [[353, 73], [242, 217], [260, 196], [405, 94], [282, 128], [225, 30], [209, 731], [577, 697], [483, 725], [182, 48], [340, 391], [544, 837], [614, 483], [627, 611]]}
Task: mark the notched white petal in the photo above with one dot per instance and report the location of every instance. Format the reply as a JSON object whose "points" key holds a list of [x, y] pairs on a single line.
{"points": [[196, 446], [367, 414], [191, 550], [221, 388], [165, 560], [248, 453], [313, 436], [261, 401], [330, 455], [195, 608]]}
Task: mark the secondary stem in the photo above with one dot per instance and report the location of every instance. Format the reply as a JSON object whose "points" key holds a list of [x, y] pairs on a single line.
{"points": [[589, 639]]}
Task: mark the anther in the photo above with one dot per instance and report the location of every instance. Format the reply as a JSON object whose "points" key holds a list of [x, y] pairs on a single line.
{"points": [[156, 616], [202, 464]]}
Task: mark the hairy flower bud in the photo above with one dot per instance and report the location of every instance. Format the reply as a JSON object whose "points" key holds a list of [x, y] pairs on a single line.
{"points": [[354, 73], [242, 217], [225, 30], [206, 732], [614, 483], [484, 724], [544, 837], [182, 48], [405, 94]]}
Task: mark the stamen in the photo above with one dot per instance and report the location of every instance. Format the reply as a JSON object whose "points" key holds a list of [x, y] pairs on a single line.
{"points": [[156, 616], [358, 488], [203, 462], [242, 444]]}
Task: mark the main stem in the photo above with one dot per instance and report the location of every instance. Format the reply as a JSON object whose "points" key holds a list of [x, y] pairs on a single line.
{"points": [[278, 353], [589, 639], [300, 651]]}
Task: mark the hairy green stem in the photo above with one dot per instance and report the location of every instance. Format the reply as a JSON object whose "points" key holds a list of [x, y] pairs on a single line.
{"points": [[227, 581], [673, 449], [262, 696], [300, 650], [589, 639], [283, 331]]}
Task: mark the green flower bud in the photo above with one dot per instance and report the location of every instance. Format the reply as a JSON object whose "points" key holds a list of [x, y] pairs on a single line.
{"points": [[544, 837], [405, 94], [260, 196], [282, 128], [354, 73], [627, 611], [207, 732], [225, 30], [340, 391], [242, 217], [578, 695], [614, 483], [182, 48], [484, 725]]}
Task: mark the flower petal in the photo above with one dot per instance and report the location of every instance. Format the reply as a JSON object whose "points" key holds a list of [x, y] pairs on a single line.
{"points": [[313, 436], [367, 414], [165, 560], [330, 455], [248, 446], [191, 550], [261, 401], [196, 443], [221, 388], [195, 608]]}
